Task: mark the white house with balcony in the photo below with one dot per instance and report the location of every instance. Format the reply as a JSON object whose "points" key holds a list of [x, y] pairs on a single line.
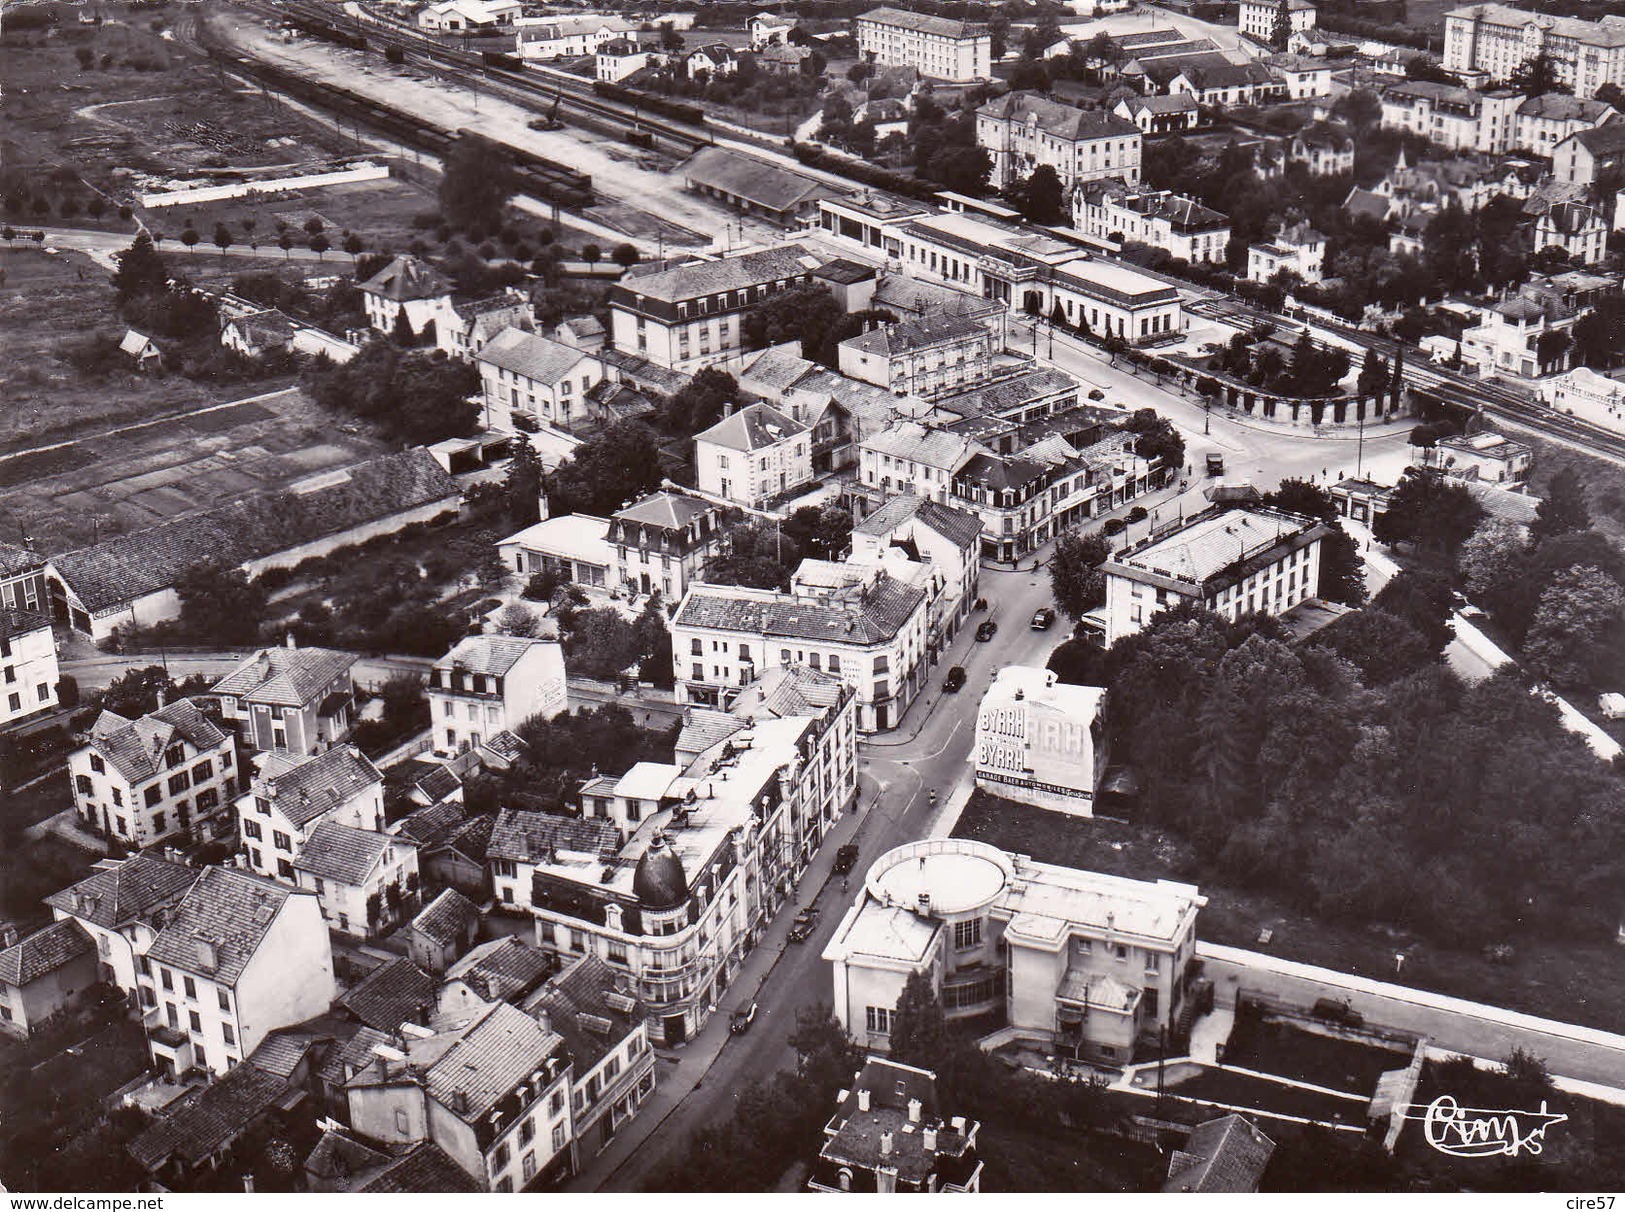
{"points": [[490, 684]]}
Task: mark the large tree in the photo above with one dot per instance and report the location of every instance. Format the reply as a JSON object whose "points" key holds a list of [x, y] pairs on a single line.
{"points": [[1563, 509], [1429, 510], [522, 487], [477, 179], [221, 605], [1579, 627], [413, 396], [141, 271], [1342, 571], [805, 314], [1041, 198], [919, 1030], [600, 643], [1075, 576], [756, 553], [608, 470], [699, 404]]}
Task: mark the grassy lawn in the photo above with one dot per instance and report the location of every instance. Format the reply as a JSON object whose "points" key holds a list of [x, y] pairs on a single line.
{"points": [[1604, 482], [1021, 1159], [33, 868], [1576, 982], [1307, 1056], [1241, 1090]]}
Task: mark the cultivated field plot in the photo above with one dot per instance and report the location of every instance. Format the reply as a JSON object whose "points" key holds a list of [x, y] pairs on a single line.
{"points": [[135, 478]]}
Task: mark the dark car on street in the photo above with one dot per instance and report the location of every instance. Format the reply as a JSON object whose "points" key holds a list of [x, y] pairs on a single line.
{"points": [[803, 925], [741, 1019], [846, 858], [955, 678], [986, 631], [1042, 618]]}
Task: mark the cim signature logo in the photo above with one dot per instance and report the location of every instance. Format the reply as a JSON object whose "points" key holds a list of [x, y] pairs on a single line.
{"points": [[1459, 1131]]}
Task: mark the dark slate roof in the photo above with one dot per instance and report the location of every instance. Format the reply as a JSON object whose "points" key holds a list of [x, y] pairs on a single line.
{"points": [[203, 1125], [752, 428], [14, 623], [432, 824], [229, 908], [1227, 1154], [135, 748], [584, 1006], [44, 952], [344, 854], [284, 677], [664, 510], [530, 836], [444, 919], [906, 335], [878, 614], [15, 559], [394, 993], [407, 278], [993, 472], [319, 784], [756, 181], [504, 969], [844, 272], [125, 893], [120, 569], [891, 1086], [471, 839], [1607, 140], [959, 526], [1060, 121], [426, 1169], [482, 1059], [356, 1044]]}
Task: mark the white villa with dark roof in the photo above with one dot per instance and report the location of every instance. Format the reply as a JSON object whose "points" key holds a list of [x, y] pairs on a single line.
{"points": [[889, 1134], [238, 957], [1111, 211], [752, 456], [1088, 963], [1299, 250], [169, 774], [544, 382], [1231, 561], [122, 906], [957, 51], [1021, 131], [28, 666], [491, 684], [478, 322], [921, 357], [408, 285], [367, 881], [290, 797], [1156, 115], [662, 541], [690, 316], [297, 699]]}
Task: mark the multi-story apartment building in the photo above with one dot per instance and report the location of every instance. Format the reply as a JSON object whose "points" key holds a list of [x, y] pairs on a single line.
{"points": [[1090, 963], [914, 459], [662, 541], [237, 958], [290, 797], [1020, 131], [595, 1008], [947, 538], [521, 840], [689, 316], [28, 668], [411, 287], [1545, 121], [1497, 39], [171, 774], [1258, 17], [1590, 156], [122, 907], [1461, 119], [366, 881], [888, 1134], [22, 579], [491, 1088], [871, 633], [298, 699], [1233, 562], [528, 380], [921, 357], [712, 849], [752, 456], [1110, 210], [489, 684], [1298, 249], [956, 51]]}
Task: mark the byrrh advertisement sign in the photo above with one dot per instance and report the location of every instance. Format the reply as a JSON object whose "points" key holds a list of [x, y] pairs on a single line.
{"points": [[1035, 741]]}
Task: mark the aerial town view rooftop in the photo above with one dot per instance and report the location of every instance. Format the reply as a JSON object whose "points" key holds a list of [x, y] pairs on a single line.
{"points": [[960, 596]]}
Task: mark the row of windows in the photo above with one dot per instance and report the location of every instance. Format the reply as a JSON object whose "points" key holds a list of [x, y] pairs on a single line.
{"points": [[166, 978]]}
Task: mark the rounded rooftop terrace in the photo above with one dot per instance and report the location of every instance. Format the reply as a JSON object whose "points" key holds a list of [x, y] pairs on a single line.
{"points": [[941, 875]]}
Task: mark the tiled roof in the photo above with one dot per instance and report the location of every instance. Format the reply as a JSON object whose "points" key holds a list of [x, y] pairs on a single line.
{"points": [[490, 654], [319, 784], [344, 854], [205, 1124], [1603, 140], [891, 1086], [395, 993], [923, 23], [14, 559], [43, 952], [125, 893], [752, 428], [407, 278], [483, 1060], [529, 836], [471, 839], [230, 909], [444, 919], [339, 1158], [433, 780], [1011, 392], [877, 614], [135, 748], [727, 273], [788, 691], [1157, 104], [1060, 121], [777, 369], [914, 443], [665, 510], [433, 823], [959, 526], [282, 1050], [424, 1169], [503, 969], [702, 728], [578, 1002], [121, 569], [1227, 1154], [530, 356], [14, 623], [285, 677], [356, 1045], [907, 335], [755, 180], [644, 373]]}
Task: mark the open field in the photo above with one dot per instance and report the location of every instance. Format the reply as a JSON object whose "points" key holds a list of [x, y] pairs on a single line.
{"points": [[103, 486], [1574, 981]]}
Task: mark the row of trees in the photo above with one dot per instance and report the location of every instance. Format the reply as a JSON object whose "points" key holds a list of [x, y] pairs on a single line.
{"points": [[1311, 370]]}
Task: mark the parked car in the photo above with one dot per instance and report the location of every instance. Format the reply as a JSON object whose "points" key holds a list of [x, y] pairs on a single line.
{"points": [[1215, 464], [803, 925], [741, 1019], [986, 631], [846, 858], [955, 679], [1097, 394], [1042, 618], [1335, 1011]]}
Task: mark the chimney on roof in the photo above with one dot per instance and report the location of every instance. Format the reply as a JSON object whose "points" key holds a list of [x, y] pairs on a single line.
{"points": [[544, 1020], [8, 935], [163, 697], [914, 1109], [728, 408], [290, 640], [208, 957], [928, 1138], [885, 1144], [925, 902], [863, 1100]]}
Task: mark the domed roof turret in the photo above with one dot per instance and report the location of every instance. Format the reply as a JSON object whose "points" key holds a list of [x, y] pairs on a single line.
{"points": [[659, 881]]}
